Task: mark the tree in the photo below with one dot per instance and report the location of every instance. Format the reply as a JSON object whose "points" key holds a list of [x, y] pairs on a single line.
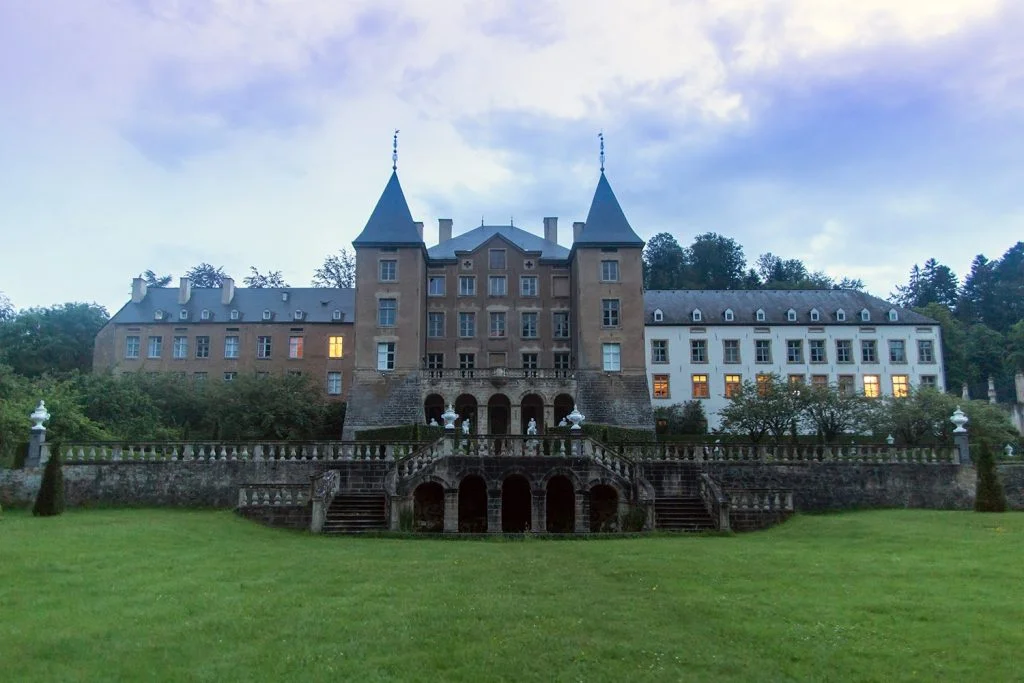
{"points": [[833, 413], [205, 275], [338, 270], [6, 308], [55, 339], [989, 495], [50, 498], [681, 418], [258, 280], [935, 283], [663, 263], [986, 357], [769, 407], [154, 280], [954, 344], [1015, 347], [714, 261]]}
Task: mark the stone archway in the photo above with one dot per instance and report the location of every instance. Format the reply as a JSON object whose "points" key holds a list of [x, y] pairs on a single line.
{"points": [[433, 407], [466, 407], [563, 406], [604, 508], [531, 406], [499, 414], [561, 505], [516, 505], [473, 505], [428, 507]]}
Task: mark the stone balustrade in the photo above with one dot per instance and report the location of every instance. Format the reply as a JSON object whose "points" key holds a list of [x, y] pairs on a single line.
{"points": [[785, 453], [716, 502], [498, 373], [766, 500], [183, 451], [272, 494]]}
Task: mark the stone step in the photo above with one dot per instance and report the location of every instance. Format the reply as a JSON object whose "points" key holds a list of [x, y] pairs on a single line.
{"points": [[682, 514]]}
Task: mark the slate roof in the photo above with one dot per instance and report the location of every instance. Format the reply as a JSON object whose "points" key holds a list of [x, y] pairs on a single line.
{"points": [[677, 307], [317, 304], [391, 221], [606, 223], [471, 240]]}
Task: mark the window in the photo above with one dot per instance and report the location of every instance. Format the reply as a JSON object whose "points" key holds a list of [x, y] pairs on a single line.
{"points": [[815, 316], [841, 316], [230, 376], [467, 285], [498, 324], [467, 324], [298, 314], [336, 314], [263, 347], [528, 285], [205, 315], [658, 315], [467, 361], [610, 312], [497, 285], [794, 350], [496, 259], [659, 350], [435, 285], [729, 315], [180, 347], [183, 314], [846, 385], [609, 271], [529, 326], [700, 387], [388, 270], [698, 350], [796, 380], [385, 356], [925, 351], [865, 316], [560, 324], [435, 324], [764, 383], [202, 347], [661, 387], [697, 316], [234, 314], [844, 350], [819, 381], [231, 347], [897, 351], [386, 310], [732, 385], [530, 361], [731, 350], [762, 350], [612, 357], [791, 315], [562, 361], [267, 315], [334, 383], [900, 386], [158, 314], [929, 381], [893, 315], [816, 348], [335, 347], [868, 351], [132, 344], [199, 376], [760, 315], [871, 386], [295, 345], [435, 361]]}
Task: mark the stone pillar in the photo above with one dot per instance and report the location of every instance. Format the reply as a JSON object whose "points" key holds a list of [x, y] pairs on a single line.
{"points": [[549, 417], [38, 454], [515, 420], [962, 445], [451, 511], [482, 423], [539, 511], [494, 511], [582, 512]]}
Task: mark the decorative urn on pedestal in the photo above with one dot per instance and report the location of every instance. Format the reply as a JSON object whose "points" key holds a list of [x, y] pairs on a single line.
{"points": [[449, 416], [576, 417]]}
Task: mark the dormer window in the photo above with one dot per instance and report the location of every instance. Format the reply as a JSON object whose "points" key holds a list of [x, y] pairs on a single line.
{"points": [[205, 315], [841, 316], [865, 316], [815, 316], [158, 315], [266, 314], [234, 314], [284, 296], [697, 315], [183, 314], [729, 317], [658, 315], [336, 315], [759, 315], [298, 314], [893, 315], [791, 315]]}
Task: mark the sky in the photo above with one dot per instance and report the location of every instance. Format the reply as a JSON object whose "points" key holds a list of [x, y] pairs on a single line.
{"points": [[862, 137]]}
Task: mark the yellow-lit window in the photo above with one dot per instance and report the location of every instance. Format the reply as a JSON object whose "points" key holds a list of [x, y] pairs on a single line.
{"points": [[871, 386], [661, 386], [732, 385], [335, 347], [763, 382], [700, 387], [900, 386]]}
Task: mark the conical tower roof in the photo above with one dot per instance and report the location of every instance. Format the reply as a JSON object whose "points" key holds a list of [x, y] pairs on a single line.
{"points": [[606, 223], [391, 222]]}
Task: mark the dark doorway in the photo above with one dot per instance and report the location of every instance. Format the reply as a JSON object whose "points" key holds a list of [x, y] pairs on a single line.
{"points": [[516, 505], [499, 411], [561, 506], [604, 508], [433, 407], [532, 406], [473, 505], [563, 406], [465, 406], [428, 508]]}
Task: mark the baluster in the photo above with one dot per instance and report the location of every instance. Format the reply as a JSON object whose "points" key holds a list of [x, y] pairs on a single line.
{"points": [[242, 502], [92, 454], [266, 497]]}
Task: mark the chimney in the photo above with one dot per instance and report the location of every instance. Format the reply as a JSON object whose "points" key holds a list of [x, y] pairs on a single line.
{"points": [[184, 291], [577, 230], [227, 290], [138, 290], [551, 229], [419, 229], [444, 229]]}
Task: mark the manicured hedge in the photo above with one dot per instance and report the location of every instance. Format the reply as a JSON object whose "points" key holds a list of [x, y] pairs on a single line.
{"points": [[410, 432]]}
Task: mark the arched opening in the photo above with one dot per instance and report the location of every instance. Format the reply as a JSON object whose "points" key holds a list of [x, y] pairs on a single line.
{"points": [[516, 505], [465, 406], [561, 506], [428, 507], [433, 407], [563, 406], [532, 407], [473, 505], [604, 508], [499, 412]]}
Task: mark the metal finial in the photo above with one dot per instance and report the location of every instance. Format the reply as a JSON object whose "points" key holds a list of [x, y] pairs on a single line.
{"points": [[394, 152], [512, 221], [481, 221], [601, 136]]}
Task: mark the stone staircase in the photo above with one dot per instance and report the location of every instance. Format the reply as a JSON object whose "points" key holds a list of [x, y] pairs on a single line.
{"points": [[354, 513], [682, 514]]}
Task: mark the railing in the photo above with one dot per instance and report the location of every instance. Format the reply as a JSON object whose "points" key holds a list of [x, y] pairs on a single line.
{"points": [[499, 373], [784, 453], [323, 487], [212, 451], [761, 500], [426, 455], [716, 502], [272, 494]]}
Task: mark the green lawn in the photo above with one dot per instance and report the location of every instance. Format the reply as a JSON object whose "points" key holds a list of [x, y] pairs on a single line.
{"points": [[124, 595]]}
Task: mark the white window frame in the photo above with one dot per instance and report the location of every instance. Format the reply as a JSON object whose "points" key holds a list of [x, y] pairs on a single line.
{"points": [[815, 316], [492, 288], [611, 354], [529, 315], [205, 315], [392, 264], [471, 281], [267, 314], [865, 315], [610, 270], [386, 353], [432, 324], [791, 315], [467, 315], [659, 316], [236, 346], [128, 346], [697, 316], [264, 346], [525, 290], [431, 279], [391, 307], [729, 315], [234, 314], [841, 316], [179, 346], [759, 315], [334, 383]]}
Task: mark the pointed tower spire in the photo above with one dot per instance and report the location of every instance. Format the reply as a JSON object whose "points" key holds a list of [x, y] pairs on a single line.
{"points": [[606, 223], [391, 222]]}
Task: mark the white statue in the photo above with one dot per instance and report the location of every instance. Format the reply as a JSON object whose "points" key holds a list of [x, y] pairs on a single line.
{"points": [[433, 423], [465, 427], [531, 427], [563, 423]]}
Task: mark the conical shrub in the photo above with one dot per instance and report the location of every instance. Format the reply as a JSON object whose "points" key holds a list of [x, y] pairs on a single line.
{"points": [[50, 499], [989, 495]]}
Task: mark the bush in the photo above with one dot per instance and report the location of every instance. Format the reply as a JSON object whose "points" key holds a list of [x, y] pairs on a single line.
{"points": [[50, 499], [989, 494], [681, 419], [634, 520], [413, 432]]}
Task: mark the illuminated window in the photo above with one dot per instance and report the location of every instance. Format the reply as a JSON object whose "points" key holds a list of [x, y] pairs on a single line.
{"points": [[335, 347], [819, 381], [764, 383], [900, 386], [872, 386], [660, 385], [295, 346], [700, 386], [796, 380], [732, 385]]}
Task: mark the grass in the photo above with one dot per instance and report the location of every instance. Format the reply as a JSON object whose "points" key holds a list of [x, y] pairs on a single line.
{"points": [[145, 595]]}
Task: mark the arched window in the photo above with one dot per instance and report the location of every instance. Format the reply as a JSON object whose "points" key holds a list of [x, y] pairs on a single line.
{"points": [[658, 315], [841, 316], [893, 315], [815, 316], [729, 317], [759, 315], [865, 316], [697, 315], [791, 315]]}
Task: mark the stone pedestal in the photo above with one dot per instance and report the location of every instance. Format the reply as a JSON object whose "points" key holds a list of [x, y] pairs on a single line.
{"points": [[38, 453], [962, 445], [451, 511]]}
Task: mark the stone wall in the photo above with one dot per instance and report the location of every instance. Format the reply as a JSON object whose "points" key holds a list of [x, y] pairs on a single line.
{"points": [[296, 517], [1012, 476]]}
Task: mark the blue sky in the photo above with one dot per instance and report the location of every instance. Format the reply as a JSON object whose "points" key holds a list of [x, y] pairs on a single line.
{"points": [[861, 137]]}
